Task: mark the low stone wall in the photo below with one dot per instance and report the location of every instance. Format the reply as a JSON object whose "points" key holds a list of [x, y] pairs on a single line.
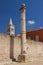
{"points": [[34, 50], [4, 46], [17, 47]]}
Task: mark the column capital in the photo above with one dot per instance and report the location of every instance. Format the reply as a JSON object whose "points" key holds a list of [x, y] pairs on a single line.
{"points": [[23, 6]]}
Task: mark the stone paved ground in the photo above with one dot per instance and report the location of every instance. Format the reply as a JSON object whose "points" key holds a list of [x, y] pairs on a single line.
{"points": [[26, 63]]}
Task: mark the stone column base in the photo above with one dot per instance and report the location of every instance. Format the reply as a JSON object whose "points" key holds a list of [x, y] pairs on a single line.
{"points": [[21, 58]]}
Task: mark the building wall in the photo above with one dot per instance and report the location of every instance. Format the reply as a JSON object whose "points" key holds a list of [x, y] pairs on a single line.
{"points": [[34, 50], [9, 47], [17, 47], [4, 46], [32, 35]]}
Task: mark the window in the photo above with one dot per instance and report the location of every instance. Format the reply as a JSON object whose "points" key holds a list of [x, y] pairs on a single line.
{"points": [[29, 38], [37, 38]]}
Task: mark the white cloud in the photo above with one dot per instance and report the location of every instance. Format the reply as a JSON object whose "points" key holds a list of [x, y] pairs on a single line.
{"points": [[41, 27], [31, 22]]}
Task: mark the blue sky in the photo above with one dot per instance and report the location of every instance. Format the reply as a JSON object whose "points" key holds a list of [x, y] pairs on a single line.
{"points": [[10, 8]]}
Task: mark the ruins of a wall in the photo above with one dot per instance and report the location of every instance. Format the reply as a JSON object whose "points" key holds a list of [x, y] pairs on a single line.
{"points": [[4, 46], [7, 46], [34, 50]]}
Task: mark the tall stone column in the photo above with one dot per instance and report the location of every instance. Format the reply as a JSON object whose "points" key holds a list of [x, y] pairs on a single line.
{"points": [[23, 27], [11, 33], [21, 57]]}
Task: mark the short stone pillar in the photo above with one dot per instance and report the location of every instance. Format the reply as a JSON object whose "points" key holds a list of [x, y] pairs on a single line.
{"points": [[21, 57]]}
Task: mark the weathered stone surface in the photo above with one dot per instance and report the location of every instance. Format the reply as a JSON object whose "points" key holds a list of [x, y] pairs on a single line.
{"points": [[34, 50], [21, 58], [4, 46]]}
